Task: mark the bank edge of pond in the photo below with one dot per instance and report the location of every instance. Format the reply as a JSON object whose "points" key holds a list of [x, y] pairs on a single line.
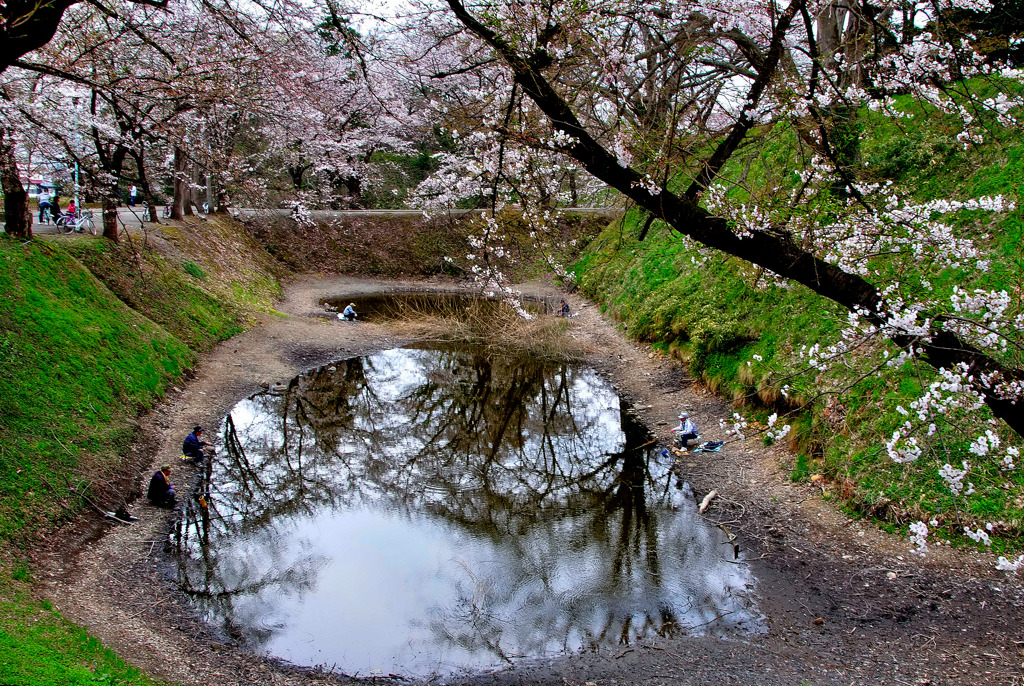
{"points": [[796, 542]]}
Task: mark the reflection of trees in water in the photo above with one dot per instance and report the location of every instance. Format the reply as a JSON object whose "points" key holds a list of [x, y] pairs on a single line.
{"points": [[620, 538], [538, 458]]}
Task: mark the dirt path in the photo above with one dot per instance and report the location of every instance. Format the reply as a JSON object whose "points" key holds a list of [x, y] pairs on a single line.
{"points": [[844, 603]]}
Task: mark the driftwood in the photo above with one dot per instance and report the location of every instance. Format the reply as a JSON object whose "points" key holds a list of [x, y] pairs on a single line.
{"points": [[707, 501]]}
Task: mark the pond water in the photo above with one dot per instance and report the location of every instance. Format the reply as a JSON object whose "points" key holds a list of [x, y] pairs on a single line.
{"points": [[424, 512]]}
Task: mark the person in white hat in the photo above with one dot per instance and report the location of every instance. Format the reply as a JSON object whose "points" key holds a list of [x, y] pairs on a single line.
{"points": [[686, 431]]}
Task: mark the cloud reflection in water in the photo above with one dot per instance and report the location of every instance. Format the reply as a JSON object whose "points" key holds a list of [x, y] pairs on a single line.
{"points": [[423, 511]]}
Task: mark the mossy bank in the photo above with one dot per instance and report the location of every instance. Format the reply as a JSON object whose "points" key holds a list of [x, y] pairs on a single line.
{"points": [[92, 333], [751, 339]]}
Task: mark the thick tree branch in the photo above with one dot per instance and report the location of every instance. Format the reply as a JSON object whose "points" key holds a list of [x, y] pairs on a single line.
{"points": [[27, 25]]}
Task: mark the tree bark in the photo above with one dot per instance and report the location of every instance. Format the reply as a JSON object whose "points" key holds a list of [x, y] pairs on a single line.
{"points": [[223, 200], [209, 193], [147, 192], [114, 165], [18, 217], [110, 228], [26, 25], [177, 206]]}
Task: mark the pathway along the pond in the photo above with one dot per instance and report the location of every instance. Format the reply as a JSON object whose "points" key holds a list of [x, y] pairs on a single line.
{"points": [[844, 603]]}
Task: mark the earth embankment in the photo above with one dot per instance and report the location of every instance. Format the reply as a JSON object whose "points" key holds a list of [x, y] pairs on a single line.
{"points": [[844, 603]]}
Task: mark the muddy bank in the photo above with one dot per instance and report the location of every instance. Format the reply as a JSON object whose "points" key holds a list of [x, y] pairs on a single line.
{"points": [[843, 602]]}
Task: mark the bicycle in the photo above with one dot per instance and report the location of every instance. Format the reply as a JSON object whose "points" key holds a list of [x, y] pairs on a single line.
{"points": [[166, 212], [147, 215], [82, 222]]}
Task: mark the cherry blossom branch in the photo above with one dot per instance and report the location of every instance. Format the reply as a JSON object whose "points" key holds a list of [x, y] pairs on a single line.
{"points": [[774, 250]]}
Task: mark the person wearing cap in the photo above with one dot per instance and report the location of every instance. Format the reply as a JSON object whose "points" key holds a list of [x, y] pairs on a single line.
{"points": [[192, 448], [161, 490], [349, 314], [686, 431]]}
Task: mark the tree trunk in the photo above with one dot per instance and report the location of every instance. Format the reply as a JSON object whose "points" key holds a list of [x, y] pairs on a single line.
{"points": [[147, 192], [19, 219], [223, 201], [209, 193], [197, 180], [112, 193], [110, 228], [178, 205], [26, 26]]}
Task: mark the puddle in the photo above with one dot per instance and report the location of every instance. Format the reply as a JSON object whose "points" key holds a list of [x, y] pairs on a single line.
{"points": [[462, 306], [427, 512]]}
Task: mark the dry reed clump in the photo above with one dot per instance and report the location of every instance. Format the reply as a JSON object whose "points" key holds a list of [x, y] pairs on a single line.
{"points": [[492, 325]]}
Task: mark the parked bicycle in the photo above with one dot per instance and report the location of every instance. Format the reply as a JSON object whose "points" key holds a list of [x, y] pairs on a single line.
{"points": [[81, 222], [147, 215], [166, 213]]}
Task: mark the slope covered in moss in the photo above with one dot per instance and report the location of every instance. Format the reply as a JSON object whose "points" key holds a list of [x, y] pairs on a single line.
{"points": [[750, 337]]}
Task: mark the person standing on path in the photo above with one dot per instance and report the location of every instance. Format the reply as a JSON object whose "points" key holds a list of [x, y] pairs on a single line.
{"points": [[131, 195]]}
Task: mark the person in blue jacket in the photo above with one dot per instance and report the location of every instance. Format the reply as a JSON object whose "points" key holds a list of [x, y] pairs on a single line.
{"points": [[349, 314], [192, 447]]}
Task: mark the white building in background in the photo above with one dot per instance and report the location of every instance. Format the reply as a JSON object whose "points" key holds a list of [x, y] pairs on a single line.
{"points": [[35, 185]]}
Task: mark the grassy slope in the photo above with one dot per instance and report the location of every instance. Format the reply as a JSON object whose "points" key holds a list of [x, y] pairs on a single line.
{"points": [[77, 363], [709, 312]]}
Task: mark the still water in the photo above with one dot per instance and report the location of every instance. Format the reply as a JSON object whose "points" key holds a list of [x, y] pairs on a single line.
{"points": [[423, 511]]}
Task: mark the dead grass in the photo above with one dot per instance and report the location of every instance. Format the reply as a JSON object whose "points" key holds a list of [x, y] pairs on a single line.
{"points": [[499, 330]]}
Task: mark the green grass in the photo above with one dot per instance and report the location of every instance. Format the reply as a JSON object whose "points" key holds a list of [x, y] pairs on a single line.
{"points": [[38, 647], [75, 365], [193, 269], [91, 334]]}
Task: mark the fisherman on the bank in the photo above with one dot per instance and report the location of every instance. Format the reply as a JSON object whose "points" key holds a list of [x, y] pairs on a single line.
{"points": [[161, 490], [686, 431], [349, 313], [193, 446]]}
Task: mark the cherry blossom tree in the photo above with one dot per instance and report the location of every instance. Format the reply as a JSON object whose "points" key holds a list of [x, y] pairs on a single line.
{"points": [[674, 105], [209, 97]]}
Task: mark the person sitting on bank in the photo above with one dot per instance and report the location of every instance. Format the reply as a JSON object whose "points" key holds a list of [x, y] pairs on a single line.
{"points": [[161, 490], [193, 446], [563, 308], [349, 313], [686, 431]]}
